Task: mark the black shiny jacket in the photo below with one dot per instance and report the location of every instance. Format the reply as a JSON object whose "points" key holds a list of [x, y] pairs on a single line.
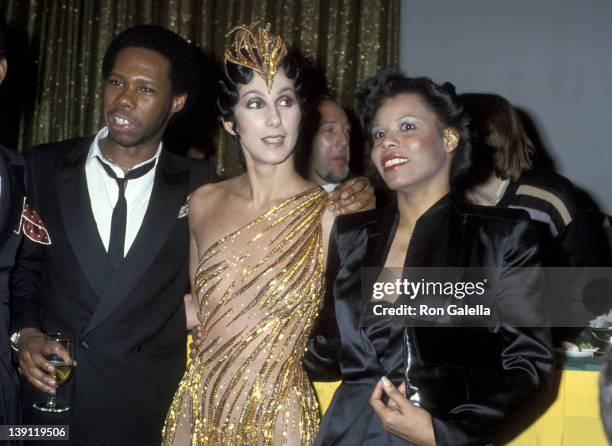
{"points": [[473, 381]]}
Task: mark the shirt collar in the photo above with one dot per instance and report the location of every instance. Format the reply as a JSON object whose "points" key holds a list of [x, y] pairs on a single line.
{"points": [[94, 151], [501, 190], [329, 186]]}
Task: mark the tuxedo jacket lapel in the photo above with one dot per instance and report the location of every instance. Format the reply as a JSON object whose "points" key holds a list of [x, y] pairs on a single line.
{"points": [[79, 221], [168, 195]]}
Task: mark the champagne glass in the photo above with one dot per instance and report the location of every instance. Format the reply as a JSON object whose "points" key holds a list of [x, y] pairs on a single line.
{"points": [[63, 370]]}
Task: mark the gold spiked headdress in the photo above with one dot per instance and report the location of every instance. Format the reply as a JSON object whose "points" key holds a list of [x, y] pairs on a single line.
{"points": [[270, 50]]}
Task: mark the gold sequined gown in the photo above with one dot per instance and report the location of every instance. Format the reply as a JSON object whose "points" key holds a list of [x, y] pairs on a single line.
{"points": [[259, 290]]}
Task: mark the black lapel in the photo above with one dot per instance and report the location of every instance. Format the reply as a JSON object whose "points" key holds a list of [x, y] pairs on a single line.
{"points": [[381, 236], [437, 241], [169, 194], [379, 243], [78, 219], [438, 236]]}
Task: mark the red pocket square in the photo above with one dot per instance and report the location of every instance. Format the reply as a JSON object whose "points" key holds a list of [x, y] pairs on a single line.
{"points": [[32, 226]]}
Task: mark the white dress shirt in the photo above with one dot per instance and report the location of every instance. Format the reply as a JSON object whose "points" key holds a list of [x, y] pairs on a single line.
{"points": [[103, 193]]}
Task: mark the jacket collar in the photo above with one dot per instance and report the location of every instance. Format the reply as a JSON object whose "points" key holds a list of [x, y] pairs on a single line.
{"points": [[430, 236]]}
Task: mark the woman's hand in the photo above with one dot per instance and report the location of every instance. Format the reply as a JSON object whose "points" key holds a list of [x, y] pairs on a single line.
{"points": [[400, 416], [353, 195]]}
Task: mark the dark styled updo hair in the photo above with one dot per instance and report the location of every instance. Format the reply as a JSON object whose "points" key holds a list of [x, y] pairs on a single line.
{"points": [[442, 100], [234, 74]]}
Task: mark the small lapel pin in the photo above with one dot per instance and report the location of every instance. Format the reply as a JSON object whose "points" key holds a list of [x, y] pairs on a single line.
{"points": [[184, 209]]}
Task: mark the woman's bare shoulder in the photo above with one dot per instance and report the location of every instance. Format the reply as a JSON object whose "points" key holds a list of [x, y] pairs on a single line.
{"points": [[212, 195]]}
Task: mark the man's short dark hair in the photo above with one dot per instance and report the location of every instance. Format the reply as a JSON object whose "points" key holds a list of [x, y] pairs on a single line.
{"points": [[2, 53], [183, 58]]}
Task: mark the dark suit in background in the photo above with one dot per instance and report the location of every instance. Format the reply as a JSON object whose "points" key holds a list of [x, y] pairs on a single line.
{"points": [[11, 200], [129, 324]]}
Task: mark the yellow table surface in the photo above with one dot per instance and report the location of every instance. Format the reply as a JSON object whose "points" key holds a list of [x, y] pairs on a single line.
{"points": [[572, 419]]}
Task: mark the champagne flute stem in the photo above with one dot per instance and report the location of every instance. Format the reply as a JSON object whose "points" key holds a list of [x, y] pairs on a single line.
{"points": [[51, 401]]}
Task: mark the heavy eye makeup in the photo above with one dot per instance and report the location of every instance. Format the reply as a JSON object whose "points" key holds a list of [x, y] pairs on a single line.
{"points": [[377, 133], [254, 103], [256, 100], [286, 100], [407, 124]]}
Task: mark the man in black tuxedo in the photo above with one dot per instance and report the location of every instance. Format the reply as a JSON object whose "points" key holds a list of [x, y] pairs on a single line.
{"points": [[105, 256], [11, 199]]}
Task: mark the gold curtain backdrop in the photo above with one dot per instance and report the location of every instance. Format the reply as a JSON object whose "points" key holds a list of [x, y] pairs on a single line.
{"points": [[348, 40]]}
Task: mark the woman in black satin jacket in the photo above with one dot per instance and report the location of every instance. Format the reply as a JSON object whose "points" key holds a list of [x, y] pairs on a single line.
{"points": [[465, 385]]}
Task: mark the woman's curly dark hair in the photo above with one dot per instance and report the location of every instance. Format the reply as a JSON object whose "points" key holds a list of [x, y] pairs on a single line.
{"points": [[442, 100], [234, 74]]}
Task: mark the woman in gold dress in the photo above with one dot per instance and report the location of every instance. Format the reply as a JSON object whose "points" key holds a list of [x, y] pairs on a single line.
{"points": [[258, 244]]}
